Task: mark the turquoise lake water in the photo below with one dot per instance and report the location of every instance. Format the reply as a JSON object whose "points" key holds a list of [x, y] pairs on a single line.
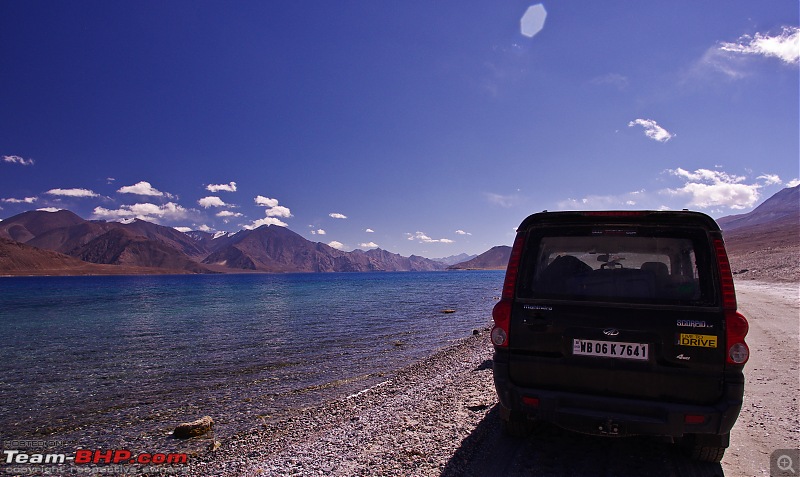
{"points": [[114, 361]]}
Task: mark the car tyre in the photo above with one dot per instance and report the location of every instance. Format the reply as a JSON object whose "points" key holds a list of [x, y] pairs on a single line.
{"points": [[705, 451], [517, 425], [707, 454]]}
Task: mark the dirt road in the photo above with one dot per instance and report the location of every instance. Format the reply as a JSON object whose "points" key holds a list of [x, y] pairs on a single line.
{"points": [[770, 418]]}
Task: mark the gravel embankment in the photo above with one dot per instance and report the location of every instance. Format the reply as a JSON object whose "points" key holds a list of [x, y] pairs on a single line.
{"points": [[412, 424], [439, 417]]}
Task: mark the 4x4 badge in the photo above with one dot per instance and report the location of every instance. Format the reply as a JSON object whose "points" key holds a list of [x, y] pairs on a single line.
{"points": [[611, 332]]}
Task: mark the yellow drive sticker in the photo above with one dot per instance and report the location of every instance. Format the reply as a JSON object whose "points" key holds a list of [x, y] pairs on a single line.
{"points": [[701, 341]]}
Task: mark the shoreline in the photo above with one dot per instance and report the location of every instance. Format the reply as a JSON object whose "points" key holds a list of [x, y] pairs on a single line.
{"points": [[439, 417], [381, 430]]}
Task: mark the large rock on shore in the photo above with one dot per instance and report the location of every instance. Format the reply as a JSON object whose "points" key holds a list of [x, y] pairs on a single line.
{"points": [[194, 428]]}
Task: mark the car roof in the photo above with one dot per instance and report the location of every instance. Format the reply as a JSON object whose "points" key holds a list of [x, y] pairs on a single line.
{"points": [[673, 218]]}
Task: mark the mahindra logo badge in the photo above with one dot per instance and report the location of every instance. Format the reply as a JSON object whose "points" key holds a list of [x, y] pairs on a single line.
{"points": [[611, 332]]}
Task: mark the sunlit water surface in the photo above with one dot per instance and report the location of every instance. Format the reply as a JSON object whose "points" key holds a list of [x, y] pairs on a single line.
{"points": [[116, 361]]}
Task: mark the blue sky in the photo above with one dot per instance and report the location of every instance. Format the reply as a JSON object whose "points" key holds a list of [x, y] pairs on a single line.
{"points": [[427, 128]]}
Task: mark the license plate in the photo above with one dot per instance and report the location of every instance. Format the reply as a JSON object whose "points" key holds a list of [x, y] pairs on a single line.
{"points": [[610, 349]]}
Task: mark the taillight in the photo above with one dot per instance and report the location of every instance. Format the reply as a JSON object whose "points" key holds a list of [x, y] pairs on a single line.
{"points": [[736, 326], [530, 401], [725, 275], [736, 329], [501, 313], [510, 283], [694, 419]]}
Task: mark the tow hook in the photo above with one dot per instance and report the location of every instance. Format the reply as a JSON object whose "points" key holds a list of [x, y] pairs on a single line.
{"points": [[609, 428]]}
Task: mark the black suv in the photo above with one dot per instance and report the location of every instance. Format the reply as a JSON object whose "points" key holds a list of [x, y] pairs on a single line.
{"points": [[621, 323]]}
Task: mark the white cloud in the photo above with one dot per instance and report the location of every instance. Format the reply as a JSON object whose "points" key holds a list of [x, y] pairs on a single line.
{"points": [[731, 58], [770, 179], [604, 202], [273, 210], [337, 215], [611, 79], [141, 188], [318, 232], [705, 188], [707, 175], [266, 201], [279, 211], [26, 200], [506, 201], [230, 187], [147, 211], [72, 192], [228, 213], [368, 245], [794, 182], [201, 228], [423, 238], [714, 59], [336, 245], [265, 221], [49, 209], [211, 201], [785, 46], [18, 160], [369, 231], [461, 232], [168, 210], [652, 129]]}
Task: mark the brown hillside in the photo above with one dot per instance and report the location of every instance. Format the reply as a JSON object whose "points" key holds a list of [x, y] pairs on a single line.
{"points": [[166, 235], [278, 249], [123, 247], [764, 244], [769, 252], [27, 225], [21, 259], [67, 239], [495, 258]]}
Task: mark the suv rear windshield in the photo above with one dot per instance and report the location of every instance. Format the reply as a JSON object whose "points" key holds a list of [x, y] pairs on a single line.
{"points": [[618, 265]]}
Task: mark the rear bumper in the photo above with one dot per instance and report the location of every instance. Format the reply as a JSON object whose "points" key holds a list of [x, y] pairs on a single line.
{"points": [[601, 415]]}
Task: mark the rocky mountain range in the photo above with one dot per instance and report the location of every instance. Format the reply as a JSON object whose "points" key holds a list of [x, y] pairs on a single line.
{"points": [[762, 244], [17, 258], [62, 243], [780, 208], [454, 259]]}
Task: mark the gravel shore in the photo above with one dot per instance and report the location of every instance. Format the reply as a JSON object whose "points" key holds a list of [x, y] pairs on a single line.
{"points": [[416, 422]]}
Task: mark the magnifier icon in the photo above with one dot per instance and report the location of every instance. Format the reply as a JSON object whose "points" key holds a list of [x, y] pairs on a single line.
{"points": [[785, 464]]}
